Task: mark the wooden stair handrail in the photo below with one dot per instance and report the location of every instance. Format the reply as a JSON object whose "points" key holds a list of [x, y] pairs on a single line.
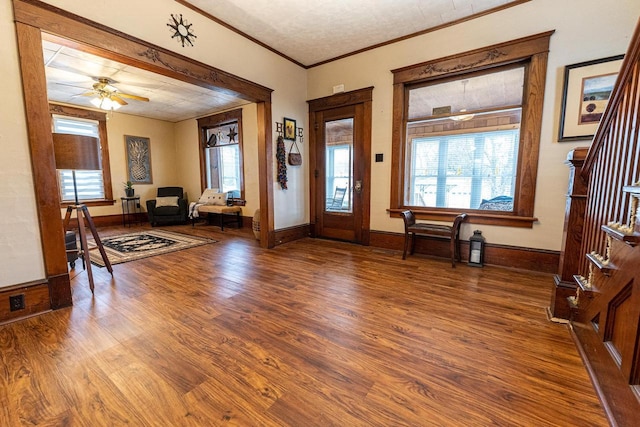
{"points": [[626, 72]]}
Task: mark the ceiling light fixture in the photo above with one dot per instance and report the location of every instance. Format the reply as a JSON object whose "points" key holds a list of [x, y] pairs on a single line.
{"points": [[463, 117], [104, 103]]}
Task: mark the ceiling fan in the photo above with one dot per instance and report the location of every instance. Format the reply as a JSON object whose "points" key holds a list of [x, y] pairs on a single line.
{"points": [[108, 97]]}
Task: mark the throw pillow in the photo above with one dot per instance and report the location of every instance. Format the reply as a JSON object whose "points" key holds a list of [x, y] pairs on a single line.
{"points": [[220, 199], [166, 201], [208, 196]]}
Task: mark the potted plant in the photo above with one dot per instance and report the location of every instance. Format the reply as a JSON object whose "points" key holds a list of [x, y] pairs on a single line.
{"points": [[128, 189]]}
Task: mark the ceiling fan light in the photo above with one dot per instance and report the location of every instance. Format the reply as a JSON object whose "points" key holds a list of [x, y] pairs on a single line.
{"points": [[105, 104], [463, 117]]}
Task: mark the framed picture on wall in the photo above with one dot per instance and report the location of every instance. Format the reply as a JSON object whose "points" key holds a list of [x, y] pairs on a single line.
{"points": [[289, 129], [138, 153], [587, 88]]}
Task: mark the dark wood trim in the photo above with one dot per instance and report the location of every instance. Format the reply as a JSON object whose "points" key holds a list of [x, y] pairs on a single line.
{"points": [[80, 33], [448, 215], [286, 235], [532, 53], [36, 298], [362, 100], [33, 19], [617, 97], [564, 285], [540, 260], [101, 118], [265, 174], [618, 400], [213, 121], [34, 87], [472, 60], [358, 96]]}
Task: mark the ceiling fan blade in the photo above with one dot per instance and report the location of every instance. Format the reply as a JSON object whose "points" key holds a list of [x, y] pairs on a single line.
{"points": [[136, 97], [117, 99]]}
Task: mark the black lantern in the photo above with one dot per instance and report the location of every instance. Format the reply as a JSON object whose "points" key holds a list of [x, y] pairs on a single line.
{"points": [[476, 249]]}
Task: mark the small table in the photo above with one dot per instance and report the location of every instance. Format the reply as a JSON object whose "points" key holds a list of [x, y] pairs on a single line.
{"points": [[130, 215]]}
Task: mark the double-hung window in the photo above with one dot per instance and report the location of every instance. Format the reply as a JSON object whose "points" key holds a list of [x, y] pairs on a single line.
{"points": [[94, 187], [89, 183]]}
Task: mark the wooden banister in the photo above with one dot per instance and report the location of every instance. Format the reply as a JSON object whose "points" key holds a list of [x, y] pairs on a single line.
{"points": [[605, 310]]}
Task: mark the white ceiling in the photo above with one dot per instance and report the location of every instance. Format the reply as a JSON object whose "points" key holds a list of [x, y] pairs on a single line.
{"points": [[307, 32], [72, 73], [310, 32]]}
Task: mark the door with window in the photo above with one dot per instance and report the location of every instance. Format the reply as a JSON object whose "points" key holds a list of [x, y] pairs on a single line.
{"points": [[340, 172]]}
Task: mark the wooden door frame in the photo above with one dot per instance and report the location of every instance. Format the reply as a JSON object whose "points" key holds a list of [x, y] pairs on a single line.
{"points": [[360, 96], [32, 18]]}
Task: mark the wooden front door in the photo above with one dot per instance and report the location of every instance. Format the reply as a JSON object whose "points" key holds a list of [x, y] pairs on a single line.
{"points": [[340, 171]]}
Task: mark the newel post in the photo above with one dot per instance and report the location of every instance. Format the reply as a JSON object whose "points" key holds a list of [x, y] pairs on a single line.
{"points": [[570, 257]]}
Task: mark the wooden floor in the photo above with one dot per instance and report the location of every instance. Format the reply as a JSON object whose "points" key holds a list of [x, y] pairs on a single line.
{"points": [[311, 333]]}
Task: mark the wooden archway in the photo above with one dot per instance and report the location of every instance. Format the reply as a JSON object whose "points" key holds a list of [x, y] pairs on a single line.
{"points": [[32, 19]]}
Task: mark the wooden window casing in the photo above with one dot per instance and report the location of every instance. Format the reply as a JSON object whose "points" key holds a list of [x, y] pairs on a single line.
{"points": [[101, 118], [531, 52]]}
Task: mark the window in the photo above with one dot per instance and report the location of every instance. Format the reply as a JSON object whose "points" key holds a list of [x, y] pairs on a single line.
{"points": [[466, 134], [89, 183], [464, 154], [339, 165], [222, 152], [94, 186]]}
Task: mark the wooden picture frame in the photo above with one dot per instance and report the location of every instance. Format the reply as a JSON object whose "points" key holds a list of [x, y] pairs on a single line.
{"points": [[289, 129], [585, 94], [138, 152]]}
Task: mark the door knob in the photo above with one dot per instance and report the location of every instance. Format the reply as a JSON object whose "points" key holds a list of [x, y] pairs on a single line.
{"points": [[358, 187]]}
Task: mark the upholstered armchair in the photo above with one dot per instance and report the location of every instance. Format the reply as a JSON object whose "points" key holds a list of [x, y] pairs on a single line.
{"points": [[170, 206]]}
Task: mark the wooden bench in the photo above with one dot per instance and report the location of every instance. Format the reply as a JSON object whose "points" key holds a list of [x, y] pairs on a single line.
{"points": [[413, 229], [222, 212]]}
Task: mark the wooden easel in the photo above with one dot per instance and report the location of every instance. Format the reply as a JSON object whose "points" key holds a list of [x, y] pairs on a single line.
{"points": [[82, 213]]}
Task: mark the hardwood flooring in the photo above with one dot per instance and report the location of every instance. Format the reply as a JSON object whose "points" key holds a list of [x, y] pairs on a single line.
{"points": [[311, 333]]}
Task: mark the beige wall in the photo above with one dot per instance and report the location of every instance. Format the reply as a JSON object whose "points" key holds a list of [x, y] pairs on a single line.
{"points": [[221, 48], [164, 171], [584, 30], [21, 258], [20, 247]]}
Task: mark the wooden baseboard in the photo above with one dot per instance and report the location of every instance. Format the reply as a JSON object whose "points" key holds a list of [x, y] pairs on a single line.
{"points": [[619, 402], [35, 296], [106, 220], [541, 260], [285, 235]]}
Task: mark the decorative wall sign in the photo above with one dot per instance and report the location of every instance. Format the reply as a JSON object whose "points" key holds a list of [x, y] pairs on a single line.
{"points": [[181, 30], [587, 88], [138, 152]]}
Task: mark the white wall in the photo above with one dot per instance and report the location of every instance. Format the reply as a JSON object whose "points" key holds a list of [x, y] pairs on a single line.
{"points": [[584, 30]]}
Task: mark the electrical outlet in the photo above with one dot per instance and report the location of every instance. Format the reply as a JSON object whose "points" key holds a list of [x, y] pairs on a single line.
{"points": [[16, 302]]}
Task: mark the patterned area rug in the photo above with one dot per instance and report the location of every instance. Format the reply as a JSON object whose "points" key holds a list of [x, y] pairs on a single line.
{"points": [[143, 244]]}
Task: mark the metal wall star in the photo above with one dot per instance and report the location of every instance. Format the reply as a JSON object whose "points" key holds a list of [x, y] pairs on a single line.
{"points": [[182, 30], [232, 134]]}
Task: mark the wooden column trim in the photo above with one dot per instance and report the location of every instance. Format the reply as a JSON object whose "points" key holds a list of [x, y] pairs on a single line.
{"points": [[34, 86]]}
